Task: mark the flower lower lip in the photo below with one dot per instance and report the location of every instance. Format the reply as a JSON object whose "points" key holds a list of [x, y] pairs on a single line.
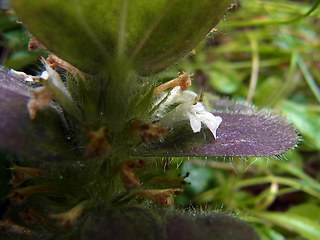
{"points": [[186, 109]]}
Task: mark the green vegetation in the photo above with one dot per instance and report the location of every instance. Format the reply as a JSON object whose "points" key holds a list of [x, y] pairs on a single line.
{"points": [[264, 53]]}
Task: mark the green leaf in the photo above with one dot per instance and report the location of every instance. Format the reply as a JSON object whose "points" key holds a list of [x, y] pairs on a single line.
{"points": [[91, 33], [21, 59], [306, 121], [302, 225], [224, 82], [199, 177], [307, 210], [267, 233], [266, 90]]}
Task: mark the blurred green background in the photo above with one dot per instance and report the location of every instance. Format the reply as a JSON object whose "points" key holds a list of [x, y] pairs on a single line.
{"points": [[266, 53]]}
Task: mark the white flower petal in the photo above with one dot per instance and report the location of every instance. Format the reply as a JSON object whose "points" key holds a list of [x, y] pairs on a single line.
{"points": [[54, 77], [195, 122], [187, 96], [211, 121], [45, 75], [198, 108], [187, 110]]}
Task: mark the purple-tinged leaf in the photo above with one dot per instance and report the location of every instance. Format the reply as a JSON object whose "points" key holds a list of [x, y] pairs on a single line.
{"points": [[153, 224], [228, 106], [10, 83], [41, 139], [244, 132]]}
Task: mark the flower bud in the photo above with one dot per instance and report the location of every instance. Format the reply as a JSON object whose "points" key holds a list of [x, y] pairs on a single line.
{"points": [[90, 33]]}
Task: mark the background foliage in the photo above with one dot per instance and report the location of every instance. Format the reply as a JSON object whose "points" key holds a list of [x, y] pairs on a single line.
{"points": [[266, 53]]}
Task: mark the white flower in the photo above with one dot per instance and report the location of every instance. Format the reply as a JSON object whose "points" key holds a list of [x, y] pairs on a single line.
{"points": [[48, 75], [29, 78], [181, 105], [52, 88], [26, 77]]}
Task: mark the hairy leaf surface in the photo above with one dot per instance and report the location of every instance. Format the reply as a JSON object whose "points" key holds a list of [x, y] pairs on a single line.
{"points": [[41, 138], [244, 132]]}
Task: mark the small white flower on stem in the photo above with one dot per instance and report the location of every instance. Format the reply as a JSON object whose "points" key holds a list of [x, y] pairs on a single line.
{"points": [[52, 76], [185, 107], [26, 77], [43, 95]]}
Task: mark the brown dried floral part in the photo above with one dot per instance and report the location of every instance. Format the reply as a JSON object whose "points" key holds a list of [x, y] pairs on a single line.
{"points": [[34, 45], [164, 197], [183, 81], [7, 12], [196, 100], [42, 97], [128, 173], [56, 62], [22, 174], [149, 132], [233, 7], [193, 52], [98, 143], [201, 97], [20, 195], [8, 226], [69, 218], [30, 216]]}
